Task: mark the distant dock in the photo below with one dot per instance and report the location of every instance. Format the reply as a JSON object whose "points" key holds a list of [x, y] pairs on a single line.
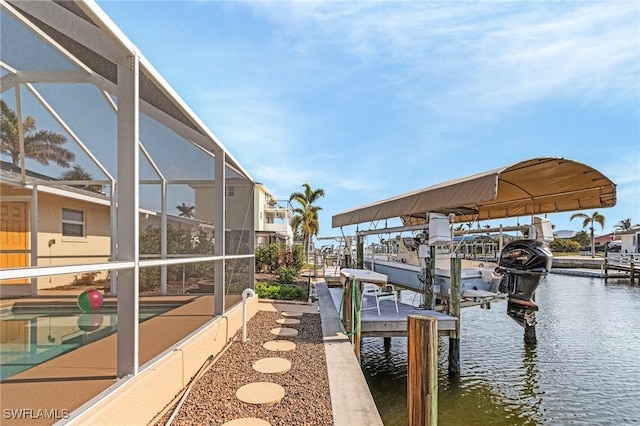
{"points": [[614, 265]]}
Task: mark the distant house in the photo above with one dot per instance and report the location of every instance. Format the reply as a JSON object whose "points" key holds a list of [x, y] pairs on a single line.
{"points": [[272, 218], [601, 240], [630, 240]]}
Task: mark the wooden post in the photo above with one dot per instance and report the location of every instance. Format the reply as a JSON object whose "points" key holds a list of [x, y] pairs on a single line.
{"points": [[606, 268], [422, 374], [454, 310], [429, 297], [633, 272], [347, 308], [360, 252], [387, 347]]}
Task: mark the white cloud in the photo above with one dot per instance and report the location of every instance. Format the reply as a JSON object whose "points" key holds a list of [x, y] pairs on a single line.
{"points": [[485, 56]]}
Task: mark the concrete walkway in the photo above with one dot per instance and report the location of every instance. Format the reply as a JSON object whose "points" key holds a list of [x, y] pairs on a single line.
{"points": [[351, 398]]}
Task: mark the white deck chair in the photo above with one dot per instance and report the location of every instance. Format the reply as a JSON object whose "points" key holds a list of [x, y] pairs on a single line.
{"points": [[369, 289]]}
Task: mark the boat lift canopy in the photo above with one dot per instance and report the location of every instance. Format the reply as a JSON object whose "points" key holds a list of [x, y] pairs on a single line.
{"points": [[535, 186]]}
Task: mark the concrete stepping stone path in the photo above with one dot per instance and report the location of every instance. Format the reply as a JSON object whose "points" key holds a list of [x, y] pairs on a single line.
{"points": [[284, 331], [273, 365], [291, 314], [260, 393], [287, 321], [247, 421], [279, 345]]}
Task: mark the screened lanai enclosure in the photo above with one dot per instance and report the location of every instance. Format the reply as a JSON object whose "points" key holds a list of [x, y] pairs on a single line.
{"points": [[109, 181]]}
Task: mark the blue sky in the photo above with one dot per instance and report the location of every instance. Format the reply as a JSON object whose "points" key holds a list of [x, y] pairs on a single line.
{"points": [[369, 100]]}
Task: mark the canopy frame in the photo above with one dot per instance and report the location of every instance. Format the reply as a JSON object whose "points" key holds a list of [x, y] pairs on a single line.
{"points": [[536, 186]]}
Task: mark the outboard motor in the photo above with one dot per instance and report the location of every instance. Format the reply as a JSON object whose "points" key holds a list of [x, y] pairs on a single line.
{"points": [[523, 265]]}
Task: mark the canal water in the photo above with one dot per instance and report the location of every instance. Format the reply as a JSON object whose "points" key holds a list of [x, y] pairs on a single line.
{"points": [[584, 369]]}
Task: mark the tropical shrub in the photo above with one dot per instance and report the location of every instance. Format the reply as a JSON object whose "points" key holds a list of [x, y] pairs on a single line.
{"points": [[299, 258], [280, 291], [564, 246], [286, 275], [267, 258], [270, 258], [179, 241]]}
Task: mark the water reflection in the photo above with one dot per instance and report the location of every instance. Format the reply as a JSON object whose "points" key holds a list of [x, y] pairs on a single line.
{"points": [[585, 368]]}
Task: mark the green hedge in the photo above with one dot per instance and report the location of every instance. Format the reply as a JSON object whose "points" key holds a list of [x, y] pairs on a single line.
{"points": [[564, 246], [281, 291]]}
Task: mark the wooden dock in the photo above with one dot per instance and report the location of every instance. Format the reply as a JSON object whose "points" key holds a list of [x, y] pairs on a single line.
{"points": [[623, 262], [389, 323]]}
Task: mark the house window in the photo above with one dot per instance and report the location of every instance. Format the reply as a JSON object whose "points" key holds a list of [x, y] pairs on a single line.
{"points": [[231, 191], [72, 223]]}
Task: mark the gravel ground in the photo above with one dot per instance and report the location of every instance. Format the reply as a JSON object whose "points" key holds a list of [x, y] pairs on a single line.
{"points": [[307, 401]]}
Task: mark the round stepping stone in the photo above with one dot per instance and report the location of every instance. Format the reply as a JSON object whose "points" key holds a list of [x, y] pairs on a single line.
{"points": [[287, 321], [284, 331], [279, 345], [272, 365], [291, 314], [247, 421], [260, 393]]}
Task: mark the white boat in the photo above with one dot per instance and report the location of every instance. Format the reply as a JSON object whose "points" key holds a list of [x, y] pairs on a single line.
{"points": [[404, 268]]}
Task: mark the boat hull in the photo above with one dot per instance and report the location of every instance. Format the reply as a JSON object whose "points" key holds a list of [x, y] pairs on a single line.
{"points": [[408, 276]]}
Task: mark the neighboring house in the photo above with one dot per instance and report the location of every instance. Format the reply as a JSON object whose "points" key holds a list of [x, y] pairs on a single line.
{"points": [[272, 218], [73, 227], [602, 240], [630, 241]]}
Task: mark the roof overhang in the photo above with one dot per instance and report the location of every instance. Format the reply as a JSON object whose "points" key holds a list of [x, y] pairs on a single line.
{"points": [[535, 186]]}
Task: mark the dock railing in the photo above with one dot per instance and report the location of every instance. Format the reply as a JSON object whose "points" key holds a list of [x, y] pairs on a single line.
{"points": [[627, 262]]}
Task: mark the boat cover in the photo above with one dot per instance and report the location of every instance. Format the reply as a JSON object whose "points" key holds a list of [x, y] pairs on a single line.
{"points": [[535, 186]]}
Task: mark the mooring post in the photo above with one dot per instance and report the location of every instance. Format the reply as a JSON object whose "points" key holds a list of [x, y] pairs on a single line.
{"points": [[387, 347], [422, 375], [606, 267], [633, 272], [454, 310]]}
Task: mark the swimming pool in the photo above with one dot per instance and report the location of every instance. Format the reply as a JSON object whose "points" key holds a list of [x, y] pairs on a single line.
{"points": [[32, 335]]}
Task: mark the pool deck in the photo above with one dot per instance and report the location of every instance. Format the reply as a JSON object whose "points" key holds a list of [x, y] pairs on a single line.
{"points": [[71, 380]]}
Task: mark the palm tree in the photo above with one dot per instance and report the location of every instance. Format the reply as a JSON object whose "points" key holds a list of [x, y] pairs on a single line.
{"points": [[305, 217], [590, 221], [625, 225], [186, 210], [42, 145], [78, 173]]}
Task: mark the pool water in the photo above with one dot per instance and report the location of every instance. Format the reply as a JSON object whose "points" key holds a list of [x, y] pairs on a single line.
{"points": [[32, 335]]}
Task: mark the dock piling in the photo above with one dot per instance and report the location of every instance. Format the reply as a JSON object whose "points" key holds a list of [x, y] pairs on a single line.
{"points": [[422, 367], [454, 310]]}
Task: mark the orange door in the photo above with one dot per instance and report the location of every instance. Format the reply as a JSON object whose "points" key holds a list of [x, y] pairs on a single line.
{"points": [[14, 251]]}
